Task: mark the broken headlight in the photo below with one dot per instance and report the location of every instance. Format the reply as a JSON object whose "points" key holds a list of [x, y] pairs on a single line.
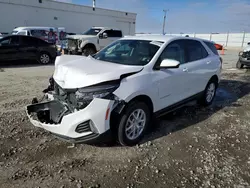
{"points": [[87, 94]]}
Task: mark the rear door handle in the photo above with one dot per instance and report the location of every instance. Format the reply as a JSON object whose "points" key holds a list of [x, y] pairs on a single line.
{"points": [[208, 62], [185, 69]]}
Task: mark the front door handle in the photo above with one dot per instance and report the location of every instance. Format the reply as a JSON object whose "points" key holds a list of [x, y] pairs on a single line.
{"points": [[185, 69], [208, 62]]}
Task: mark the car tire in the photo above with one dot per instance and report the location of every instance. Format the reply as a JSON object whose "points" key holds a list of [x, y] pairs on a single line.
{"points": [[129, 135], [239, 65], [44, 58], [209, 93], [88, 51]]}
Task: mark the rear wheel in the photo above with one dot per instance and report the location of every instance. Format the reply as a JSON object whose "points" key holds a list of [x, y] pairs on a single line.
{"points": [[133, 123], [239, 65], [44, 58], [209, 93]]}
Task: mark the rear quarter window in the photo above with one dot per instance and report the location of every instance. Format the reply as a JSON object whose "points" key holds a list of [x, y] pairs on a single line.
{"points": [[212, 47]]}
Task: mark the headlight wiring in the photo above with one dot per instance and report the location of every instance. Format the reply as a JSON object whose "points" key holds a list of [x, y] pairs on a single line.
{"points": [[105, 91]]}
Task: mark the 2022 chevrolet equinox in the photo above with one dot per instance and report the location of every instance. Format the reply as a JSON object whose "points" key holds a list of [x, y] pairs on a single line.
{"points": [[119, 89]]}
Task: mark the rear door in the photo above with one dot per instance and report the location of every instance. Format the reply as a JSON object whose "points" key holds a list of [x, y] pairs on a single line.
{"points": [[29, 47], [113, 35], [197, 62], [214, 56]]}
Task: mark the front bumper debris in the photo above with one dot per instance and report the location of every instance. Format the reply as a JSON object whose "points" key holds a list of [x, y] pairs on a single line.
{"points": [[73, 47], [85, 125]]}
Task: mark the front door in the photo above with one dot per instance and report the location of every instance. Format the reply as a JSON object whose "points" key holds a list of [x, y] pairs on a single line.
{"points": [[28, 47], [173, 82], [9, 48]]}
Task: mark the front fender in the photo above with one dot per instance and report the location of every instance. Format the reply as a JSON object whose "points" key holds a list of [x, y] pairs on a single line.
{"points": [[136, 85], [92, 42]]}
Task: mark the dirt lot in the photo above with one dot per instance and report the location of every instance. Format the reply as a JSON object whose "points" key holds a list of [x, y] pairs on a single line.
{"points": [[207, 147]]}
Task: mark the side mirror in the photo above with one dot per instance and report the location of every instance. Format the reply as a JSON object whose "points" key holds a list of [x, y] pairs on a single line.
{"points": [[104, 35], [169, 63], [248, 43]]}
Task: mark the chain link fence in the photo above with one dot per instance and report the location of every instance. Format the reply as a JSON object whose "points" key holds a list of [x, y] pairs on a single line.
{"points": [[226, 39]]}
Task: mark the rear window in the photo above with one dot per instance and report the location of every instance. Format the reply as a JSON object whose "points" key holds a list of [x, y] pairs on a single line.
{"points": [[114, 33], [196, 50], [212, 47]]}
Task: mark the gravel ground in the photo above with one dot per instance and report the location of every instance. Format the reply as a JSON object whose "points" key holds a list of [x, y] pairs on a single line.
{"points": [[194, 147]]}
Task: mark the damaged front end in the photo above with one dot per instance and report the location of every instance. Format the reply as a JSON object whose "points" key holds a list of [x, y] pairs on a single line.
{"points": [[74, 46], [244, 56], [76, 114]]}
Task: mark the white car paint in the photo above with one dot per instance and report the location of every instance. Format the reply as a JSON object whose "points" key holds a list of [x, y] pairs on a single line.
{"points": [[69, 122], [164, 87], [85, 71]]}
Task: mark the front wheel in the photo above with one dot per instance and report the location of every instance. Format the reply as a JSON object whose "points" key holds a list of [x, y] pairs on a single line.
{"points": [[239, 65], [133, 123]]}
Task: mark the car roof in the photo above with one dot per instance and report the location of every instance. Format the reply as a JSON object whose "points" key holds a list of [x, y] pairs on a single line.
{"points": [[30, 27], [161, 38], [114, 28], [22, 36]]}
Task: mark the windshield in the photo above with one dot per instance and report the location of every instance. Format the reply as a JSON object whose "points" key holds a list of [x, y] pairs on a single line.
{"points": [[128, 52], [14, 32], [92, 32]]}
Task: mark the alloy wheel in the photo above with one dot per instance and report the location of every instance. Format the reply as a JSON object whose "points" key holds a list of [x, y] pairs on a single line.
{"points": [[210, 92], [135, 124], [44, 59]]}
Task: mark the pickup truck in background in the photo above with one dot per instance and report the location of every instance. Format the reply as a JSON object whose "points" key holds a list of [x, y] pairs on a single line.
{"points": [[92, 40], [244, 57]]}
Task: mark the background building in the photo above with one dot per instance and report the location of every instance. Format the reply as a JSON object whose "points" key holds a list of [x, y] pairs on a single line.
{"points": [[75, 18]]}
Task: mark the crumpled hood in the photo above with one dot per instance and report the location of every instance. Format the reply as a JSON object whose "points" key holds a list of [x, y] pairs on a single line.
{"points": [[81, 36], [72, 71], [247, 49]]}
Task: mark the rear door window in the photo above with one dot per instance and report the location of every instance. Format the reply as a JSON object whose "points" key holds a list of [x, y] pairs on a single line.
{"points": [[22, 33], [14, 40], [28, 41], [32, 41], [114, 33], [212, 47], [195, 50], [38, 33]]}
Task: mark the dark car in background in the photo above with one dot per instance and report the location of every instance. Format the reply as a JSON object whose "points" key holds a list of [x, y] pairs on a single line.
{"points": [[20, 47]]}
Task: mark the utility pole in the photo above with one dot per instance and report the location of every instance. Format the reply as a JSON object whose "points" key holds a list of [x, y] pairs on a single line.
{"points": [[94, 4], [164, 21]]}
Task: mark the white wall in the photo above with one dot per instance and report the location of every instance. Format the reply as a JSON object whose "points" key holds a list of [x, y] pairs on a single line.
{"points": [[226, 39], [76, 18]]}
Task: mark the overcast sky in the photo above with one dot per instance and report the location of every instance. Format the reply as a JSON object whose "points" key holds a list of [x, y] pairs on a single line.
{"points": [[186, 16]]}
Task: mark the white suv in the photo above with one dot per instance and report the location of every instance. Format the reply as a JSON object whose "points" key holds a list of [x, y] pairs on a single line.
{"points": [[119, 89]]}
